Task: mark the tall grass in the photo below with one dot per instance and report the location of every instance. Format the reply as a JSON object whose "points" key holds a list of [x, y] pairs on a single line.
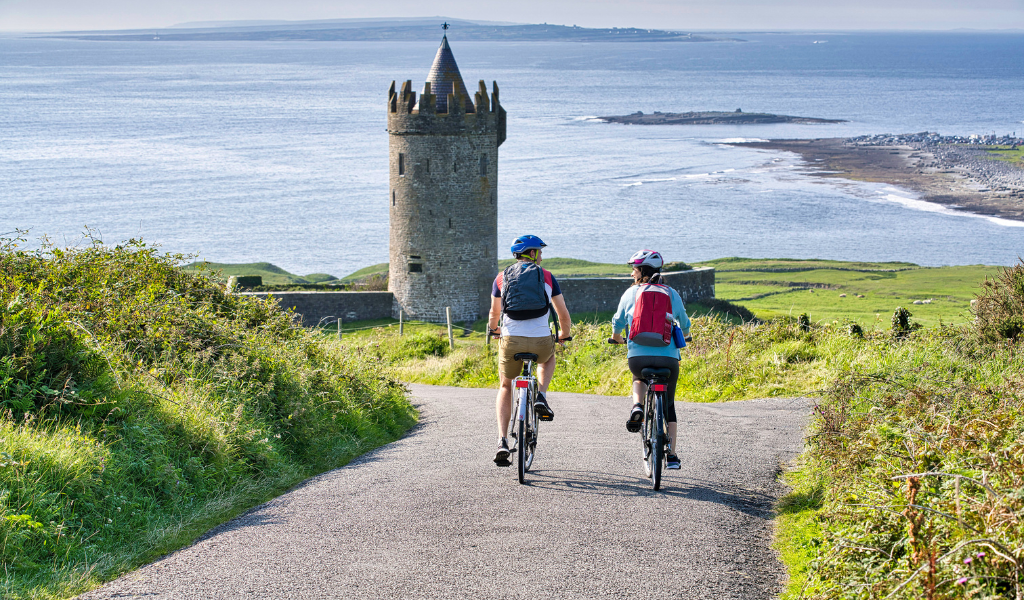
{"points": [[141, 404]]}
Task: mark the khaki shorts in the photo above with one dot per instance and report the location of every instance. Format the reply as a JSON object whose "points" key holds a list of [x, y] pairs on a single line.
{"points": [[543, 347]]}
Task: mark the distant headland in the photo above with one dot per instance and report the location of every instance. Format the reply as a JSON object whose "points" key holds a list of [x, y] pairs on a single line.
{"points": [[405, 30], [737, 117]]}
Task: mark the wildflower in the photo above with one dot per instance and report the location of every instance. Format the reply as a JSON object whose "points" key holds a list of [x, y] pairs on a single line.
{"points": [[981, 555], [968, 560], [961, 581]]}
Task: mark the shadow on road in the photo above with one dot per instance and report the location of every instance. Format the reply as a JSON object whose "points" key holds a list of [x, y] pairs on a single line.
{"points": [[750, 502]]}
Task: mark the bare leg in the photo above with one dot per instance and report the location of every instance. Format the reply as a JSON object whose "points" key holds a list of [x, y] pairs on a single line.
{"points": [[545, 372], [503, 405], [672, 427], [639, 392]]}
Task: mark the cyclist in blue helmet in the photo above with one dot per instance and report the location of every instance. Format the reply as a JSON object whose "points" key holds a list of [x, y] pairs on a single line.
{"points": [[521, 297]]}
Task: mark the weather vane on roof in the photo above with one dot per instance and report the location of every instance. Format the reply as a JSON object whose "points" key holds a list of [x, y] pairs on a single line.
{"points": [[445, 26]]}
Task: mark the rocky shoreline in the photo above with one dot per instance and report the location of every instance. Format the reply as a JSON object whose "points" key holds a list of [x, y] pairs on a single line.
{"points": [[955, 171]]}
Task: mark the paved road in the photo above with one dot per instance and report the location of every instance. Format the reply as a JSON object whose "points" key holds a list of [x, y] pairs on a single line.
{"points": [[430, 516]]}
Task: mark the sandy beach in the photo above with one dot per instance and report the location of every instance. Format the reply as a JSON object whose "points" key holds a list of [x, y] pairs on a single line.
{"points": [[958, 176]]}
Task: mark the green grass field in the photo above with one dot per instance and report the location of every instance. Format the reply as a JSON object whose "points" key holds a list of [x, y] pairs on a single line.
{"points": [[774, 287], [1009, 154]]}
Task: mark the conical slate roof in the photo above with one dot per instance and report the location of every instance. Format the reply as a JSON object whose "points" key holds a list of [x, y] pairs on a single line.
{"points": [[444, 78]]}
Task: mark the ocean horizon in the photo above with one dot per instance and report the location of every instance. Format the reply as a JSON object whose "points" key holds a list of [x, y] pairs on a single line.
{"points": [[277, 151]]}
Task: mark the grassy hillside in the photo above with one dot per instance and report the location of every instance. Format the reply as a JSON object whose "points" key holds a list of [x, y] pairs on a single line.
{"points": [[776, 287], [271, 274], [140, 405]]}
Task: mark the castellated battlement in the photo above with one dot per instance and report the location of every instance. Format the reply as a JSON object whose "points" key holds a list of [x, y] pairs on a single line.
{"points": [[483, 115]]}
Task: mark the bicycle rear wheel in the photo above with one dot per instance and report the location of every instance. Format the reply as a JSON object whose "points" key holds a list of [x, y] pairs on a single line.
{"points": [[532, 428], [646, 433], [658, 440], [524, 450]]}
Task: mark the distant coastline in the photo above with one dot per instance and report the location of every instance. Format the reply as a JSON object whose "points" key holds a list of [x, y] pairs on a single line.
{"points": [[391, 30], [736, 117], [958, 172]]}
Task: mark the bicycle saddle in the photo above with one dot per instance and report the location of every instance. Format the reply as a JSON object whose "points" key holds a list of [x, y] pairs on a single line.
{"points": [[658, 375], [525, 356]]}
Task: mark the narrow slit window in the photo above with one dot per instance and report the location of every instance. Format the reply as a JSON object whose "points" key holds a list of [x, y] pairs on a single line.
{"points": [[428, 165], [401, 164], [483, 164], [455, 167], [392, 197], [449, 223]]}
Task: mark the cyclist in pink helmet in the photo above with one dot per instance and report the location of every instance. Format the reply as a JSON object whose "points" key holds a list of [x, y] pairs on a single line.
{"points": [[647, 269]]}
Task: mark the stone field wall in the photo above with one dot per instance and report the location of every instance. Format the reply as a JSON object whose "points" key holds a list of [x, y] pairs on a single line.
{"points": [[582, 295], [327, 307]]}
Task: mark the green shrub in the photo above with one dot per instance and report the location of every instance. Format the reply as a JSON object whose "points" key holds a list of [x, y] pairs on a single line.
{"points": [[141, 404], [900, 323], [999, 306]]}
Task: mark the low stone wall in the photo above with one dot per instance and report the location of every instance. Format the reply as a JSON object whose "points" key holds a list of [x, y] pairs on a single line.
{"points": [[601, 294], [582, 295], [327, 307]]}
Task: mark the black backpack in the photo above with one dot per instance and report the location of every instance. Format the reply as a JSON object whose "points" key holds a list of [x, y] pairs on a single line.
{"points": [[522, 291]]}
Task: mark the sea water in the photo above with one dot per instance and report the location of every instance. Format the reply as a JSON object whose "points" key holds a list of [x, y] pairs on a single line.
{"points": [[277, 151]]}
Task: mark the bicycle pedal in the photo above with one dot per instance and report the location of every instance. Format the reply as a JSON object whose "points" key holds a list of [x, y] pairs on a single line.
{"points": [[503, 463]]}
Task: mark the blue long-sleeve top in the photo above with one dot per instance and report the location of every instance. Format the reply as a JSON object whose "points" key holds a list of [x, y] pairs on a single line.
{"points": [[624, 317]]}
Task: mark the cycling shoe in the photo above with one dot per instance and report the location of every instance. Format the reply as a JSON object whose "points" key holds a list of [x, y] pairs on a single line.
{"points": [[636, 418]]}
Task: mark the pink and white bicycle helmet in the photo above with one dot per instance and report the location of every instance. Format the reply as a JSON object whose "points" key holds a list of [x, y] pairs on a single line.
{"points": [[646, 258]]}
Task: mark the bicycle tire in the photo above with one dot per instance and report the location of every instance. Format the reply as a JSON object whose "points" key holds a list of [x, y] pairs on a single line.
{"points": [[646, 432], [532, 430], [658, 442], [522, 441]]}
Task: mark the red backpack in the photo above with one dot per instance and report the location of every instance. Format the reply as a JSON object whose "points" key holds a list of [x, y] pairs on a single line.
{"points": [[649, 326]]}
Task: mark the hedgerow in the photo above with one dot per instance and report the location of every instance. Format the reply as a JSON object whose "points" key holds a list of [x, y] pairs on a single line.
{"points": [[141, 404]]}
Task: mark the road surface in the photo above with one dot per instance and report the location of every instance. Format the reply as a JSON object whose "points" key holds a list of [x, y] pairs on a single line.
{"points": [[430, 516]]}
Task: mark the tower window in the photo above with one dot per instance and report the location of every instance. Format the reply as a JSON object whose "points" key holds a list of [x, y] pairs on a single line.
{"points": [[401, 164], [483, 165], [449, 223], [415, 267], [455, 167], [428, 165], [392, 197]]}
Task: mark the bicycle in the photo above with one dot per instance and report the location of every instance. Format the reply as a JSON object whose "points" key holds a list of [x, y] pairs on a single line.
{"points": [[523, 424], [653, 432]]}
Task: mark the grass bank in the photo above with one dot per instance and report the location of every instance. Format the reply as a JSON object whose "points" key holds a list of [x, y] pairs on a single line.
{"points": [[141, 404]]}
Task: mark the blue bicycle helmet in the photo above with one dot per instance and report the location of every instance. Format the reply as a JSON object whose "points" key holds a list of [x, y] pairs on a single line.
{"points": [[526, 242]]}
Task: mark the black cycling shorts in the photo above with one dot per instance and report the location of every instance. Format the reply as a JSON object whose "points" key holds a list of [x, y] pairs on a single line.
{"points": [[639, 363]]}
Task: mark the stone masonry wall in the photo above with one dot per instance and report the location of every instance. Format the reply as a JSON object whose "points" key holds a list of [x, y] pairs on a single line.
{"points": [[602, 294], [443, 204], [327, 307], [582, 295]]}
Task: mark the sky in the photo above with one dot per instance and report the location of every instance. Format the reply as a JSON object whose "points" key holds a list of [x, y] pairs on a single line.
{"points": [[722, 15]]}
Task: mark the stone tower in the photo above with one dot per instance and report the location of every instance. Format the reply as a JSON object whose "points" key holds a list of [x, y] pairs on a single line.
{"points": [[443, 194]]}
